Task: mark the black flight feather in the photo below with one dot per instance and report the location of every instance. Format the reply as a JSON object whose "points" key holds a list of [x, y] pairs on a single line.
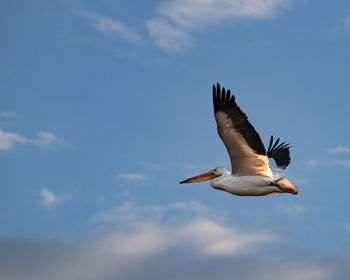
{"points": [[224, 102], [279, 153]]}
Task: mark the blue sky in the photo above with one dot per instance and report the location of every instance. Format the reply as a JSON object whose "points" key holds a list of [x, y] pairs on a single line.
{"points": [[106, 106]]}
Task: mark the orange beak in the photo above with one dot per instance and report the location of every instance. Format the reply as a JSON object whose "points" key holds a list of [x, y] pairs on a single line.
{"points": [[200, 178]]}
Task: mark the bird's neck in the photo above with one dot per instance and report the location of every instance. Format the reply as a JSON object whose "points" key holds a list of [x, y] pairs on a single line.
{"points": [[220, 182]]}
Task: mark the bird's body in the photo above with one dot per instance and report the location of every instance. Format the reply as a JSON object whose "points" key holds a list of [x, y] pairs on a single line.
{"points": [[244, 185], [250, 173]]}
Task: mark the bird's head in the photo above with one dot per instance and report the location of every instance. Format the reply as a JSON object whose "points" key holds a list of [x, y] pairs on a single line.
{"points": [[212, 174]]}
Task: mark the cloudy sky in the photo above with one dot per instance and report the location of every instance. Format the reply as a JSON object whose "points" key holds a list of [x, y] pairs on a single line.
{"points": [[106, 106]]}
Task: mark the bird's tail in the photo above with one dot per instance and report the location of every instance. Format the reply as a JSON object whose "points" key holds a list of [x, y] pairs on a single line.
{"points": [[286, 186]]}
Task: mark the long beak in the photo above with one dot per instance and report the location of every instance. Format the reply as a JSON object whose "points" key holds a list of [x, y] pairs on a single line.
{"points": [[199, 178]]}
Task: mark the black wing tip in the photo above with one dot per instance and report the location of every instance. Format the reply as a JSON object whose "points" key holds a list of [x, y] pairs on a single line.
{"points": [[221, 97], [270, 144], [280, 153], [273, 146]]}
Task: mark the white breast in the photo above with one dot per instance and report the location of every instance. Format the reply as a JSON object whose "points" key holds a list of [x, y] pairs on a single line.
{"points": [[244, 185]]}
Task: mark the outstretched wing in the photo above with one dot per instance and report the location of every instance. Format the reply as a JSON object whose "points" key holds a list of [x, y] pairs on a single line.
{"points": [[247, 152], [279, 153]]}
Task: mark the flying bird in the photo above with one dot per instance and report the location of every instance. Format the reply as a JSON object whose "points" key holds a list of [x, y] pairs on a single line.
{"points": [[250, 173]]}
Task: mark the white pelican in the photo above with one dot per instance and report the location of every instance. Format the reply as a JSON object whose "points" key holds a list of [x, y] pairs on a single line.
{"points": [[250, 174]]}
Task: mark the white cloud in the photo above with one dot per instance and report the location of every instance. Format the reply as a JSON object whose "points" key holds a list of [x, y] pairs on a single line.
{"points": [[342, 150], [113, 26], [339, 150], [9, 139], [194, 244], [175, 19], [168, 36], [147, 230], [44, 139], [135, 177], [48, 198], [329, 162], [212, 239], [193, 14], [130, 213], [204, 237]]}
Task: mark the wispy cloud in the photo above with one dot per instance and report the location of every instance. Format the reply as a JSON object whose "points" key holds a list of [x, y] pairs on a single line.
{"points": [[134, 177], [44, 139], [129, 213], [339, 150], [150, 238], [329, 162], [205, 237], [9, 139], [176, 20], [168, 36], [48, 198], [193, 14], [112, 26], [150, 229]]}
